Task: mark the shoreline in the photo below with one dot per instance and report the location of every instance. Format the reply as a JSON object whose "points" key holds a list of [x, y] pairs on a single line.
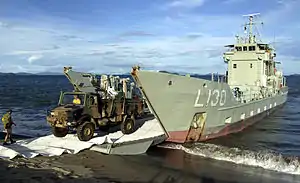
{"points": [[158, 165], [93, 166], [67, 167]]}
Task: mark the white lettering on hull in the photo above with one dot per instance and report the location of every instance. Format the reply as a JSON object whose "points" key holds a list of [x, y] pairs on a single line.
{"points": [[197, 100], [215, 97]]}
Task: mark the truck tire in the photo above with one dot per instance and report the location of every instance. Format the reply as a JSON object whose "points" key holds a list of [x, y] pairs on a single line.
{"points": [[127, 126], [85, 131], [59, 132]]}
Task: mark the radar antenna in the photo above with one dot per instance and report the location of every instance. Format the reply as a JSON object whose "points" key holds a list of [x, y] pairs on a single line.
{"points": [[250, 38]]}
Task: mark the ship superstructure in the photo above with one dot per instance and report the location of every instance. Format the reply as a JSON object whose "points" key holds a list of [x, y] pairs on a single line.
{"points": [[194, 109], [252, 67]]}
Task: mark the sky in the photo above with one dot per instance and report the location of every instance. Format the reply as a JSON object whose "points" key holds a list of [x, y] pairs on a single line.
{"points": [[110, 36]]}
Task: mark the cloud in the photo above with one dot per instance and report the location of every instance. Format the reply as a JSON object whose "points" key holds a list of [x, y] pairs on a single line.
{"points": [[195, 35], [136, 34], [233, 1], [166, 40], [14, 68], [284, 2], [185, 3], [60, 47], [33, 58], [4, 25]]}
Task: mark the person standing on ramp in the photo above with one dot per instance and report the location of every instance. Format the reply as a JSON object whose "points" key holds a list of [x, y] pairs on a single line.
{"points": [[7, 124]]}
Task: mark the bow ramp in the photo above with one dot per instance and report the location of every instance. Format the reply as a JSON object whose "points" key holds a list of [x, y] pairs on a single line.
{"points": [[138, 142]]}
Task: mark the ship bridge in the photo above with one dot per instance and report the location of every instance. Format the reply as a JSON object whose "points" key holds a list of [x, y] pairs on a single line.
{"points": [[251, 63]]}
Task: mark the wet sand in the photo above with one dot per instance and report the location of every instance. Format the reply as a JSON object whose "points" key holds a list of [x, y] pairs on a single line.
{"points": [[157, 166], [90, 166], [87, 166], [66, 168]]}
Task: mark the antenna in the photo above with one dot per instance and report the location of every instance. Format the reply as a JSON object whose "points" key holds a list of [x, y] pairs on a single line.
{"points": [[251, 15], [251, 23]]}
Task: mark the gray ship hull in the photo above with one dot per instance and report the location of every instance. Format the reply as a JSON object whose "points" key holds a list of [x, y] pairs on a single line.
{"points": [[193, 109]]}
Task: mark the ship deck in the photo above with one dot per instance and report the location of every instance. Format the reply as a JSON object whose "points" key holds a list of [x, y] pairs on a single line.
{"points": [[148, 134]]}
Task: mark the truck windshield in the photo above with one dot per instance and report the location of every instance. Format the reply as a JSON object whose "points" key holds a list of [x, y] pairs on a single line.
{"points": [[70, 98]]}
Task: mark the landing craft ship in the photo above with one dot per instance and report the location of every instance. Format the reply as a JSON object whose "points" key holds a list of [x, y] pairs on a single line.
{"points": [[192, 109]]}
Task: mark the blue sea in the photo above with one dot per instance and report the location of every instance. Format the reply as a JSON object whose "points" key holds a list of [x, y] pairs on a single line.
{"points": [[265, 152]]}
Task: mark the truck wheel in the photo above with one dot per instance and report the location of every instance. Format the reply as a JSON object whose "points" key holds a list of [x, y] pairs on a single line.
{"points": [[85, 131], [127, 127], [59, 132]]}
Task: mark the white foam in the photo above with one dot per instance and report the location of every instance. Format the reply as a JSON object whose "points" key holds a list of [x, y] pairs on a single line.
{"points": [[266, 160], [54, 146]]}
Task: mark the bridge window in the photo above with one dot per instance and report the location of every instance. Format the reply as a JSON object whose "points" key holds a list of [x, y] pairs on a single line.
{"points": [[244, 48], [251, 48], [234, 65], [262, 47], [238, 48]]}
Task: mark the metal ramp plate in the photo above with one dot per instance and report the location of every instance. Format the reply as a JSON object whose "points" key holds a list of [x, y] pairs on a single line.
{"points": [[150, 133]]}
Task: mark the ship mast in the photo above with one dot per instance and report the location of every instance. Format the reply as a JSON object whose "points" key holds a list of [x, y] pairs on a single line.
{"points": [[251, 40], [251, 37]]}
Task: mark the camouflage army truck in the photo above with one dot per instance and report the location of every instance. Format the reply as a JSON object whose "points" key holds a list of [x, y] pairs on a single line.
{"points": [[103, 102]]}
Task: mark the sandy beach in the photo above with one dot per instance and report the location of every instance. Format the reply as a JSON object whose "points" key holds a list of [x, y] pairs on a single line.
{"points": [[85, 166], [91, 166], [157, 166], [47, 169]]}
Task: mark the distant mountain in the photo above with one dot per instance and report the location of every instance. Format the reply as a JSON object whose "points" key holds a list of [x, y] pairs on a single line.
{"points": [[162, 71], [123, 75], [23, 73], [1, 74], [28, 74], [49, 73], [10, 73], [297, 75]]}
